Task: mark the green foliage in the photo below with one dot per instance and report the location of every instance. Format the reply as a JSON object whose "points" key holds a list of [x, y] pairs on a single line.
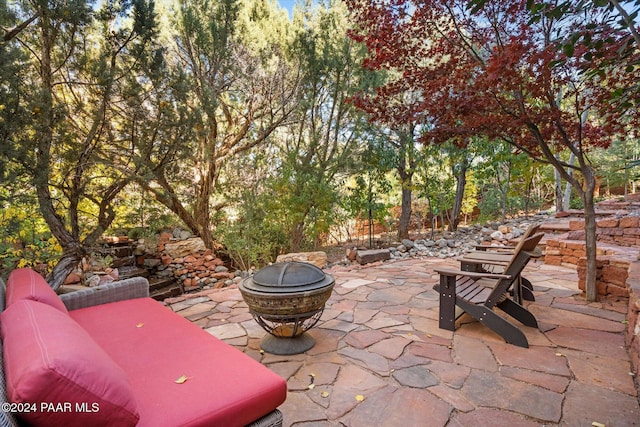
{"points": [[618, 165], [252, 239], [470, 199], [228, 105], [576, 203], [435, 180], [365, 197], [25, 239]]}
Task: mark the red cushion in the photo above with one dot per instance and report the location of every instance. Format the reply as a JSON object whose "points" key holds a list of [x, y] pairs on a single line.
{"points": [[24, 283], [155, 347], [52, 362]]}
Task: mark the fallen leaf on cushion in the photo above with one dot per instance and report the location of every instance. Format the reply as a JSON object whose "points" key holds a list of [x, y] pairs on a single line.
{"points": [[182, 379], [140, 325], [359, 398]]}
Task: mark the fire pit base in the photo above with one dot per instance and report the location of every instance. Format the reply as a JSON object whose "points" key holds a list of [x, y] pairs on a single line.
{"points": [[287, 345]]}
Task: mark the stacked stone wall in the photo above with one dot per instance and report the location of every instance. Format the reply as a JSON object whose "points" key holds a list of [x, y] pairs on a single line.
{"points": [[623, 231], [633, 317], [616, 236], [191, 263]]}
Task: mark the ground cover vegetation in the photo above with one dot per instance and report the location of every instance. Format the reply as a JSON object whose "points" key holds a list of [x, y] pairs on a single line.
{"points": [[265, 133]]}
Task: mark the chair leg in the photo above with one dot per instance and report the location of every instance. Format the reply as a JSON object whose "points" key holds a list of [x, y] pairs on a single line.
{"points": [[447, 291], [496, 323], [527, 290], [518, 312]]}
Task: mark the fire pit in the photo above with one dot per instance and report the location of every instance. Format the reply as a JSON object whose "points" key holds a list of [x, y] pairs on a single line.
{"points": [[287, 299]]}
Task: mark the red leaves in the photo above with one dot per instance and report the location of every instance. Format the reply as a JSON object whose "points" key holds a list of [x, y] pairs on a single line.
{"points": [[477, 74]]}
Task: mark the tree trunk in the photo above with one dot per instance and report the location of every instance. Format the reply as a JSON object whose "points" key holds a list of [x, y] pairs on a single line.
{"points": [[67, 263], [461, 182], [296, 238], [591, 289], [405, 172], [567, 191], [558, 189], [405, 213]]}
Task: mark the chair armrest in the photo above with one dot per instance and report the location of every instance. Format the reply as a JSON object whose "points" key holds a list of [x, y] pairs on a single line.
{"points": [[478, 261], [500, 248], [135, 287], [474, 275]]}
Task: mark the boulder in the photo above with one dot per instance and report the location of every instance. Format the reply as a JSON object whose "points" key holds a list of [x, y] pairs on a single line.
{"points": [[497, 235], [318, 258], [373, 255], [184, 247], [407, 243]]}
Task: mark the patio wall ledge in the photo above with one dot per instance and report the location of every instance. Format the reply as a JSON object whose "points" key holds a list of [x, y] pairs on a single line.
{"points": [[633, 317]]}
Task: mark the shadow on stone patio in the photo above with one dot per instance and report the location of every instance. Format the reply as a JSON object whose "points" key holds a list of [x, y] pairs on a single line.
{"points": [[381, 359]]}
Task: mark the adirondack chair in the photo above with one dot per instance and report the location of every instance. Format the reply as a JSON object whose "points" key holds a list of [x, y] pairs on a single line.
{"points": [[494, 259], [478, 293]]}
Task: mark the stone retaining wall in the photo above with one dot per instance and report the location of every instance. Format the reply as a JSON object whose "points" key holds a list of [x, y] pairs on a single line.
{"points": [[623, 231], [619, 239], [633, 317], [191, 263]]}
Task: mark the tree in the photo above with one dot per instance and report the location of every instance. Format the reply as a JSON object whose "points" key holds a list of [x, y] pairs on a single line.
{"points": [[72, 62], [364, 197], [236, 88], [386, 109], [319, 145], [488, 73]]}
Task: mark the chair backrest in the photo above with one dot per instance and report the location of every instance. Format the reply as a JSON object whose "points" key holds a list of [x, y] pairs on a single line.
{"points": [[526, 250], [526, 243], [533, 229]]}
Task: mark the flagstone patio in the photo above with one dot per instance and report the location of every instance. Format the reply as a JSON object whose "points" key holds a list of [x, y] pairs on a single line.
{"points": [[380, 358]]}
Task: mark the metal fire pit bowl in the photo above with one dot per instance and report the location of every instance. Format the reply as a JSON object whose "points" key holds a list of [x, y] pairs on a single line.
{"points": [[287, 299]]}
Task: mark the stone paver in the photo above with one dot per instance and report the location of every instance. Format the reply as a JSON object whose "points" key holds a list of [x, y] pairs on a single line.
{"points": [[380, 358]]}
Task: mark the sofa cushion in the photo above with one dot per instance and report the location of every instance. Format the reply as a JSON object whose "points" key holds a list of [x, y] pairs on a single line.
{"points": [[24, 283], [51, 361], [156, 347]]}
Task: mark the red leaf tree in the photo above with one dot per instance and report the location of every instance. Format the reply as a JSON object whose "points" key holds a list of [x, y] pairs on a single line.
{"points": [[497, 73]]}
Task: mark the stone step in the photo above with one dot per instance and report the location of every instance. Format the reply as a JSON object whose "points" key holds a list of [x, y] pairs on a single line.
{"points": [[127, 272], [160, 289], [555, 227], [164, 293]]}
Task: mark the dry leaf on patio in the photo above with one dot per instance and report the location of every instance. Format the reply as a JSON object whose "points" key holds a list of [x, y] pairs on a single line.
{"points": [[311, 386], [324, 394], [359, 398], [182, 379], [597, 424]]}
